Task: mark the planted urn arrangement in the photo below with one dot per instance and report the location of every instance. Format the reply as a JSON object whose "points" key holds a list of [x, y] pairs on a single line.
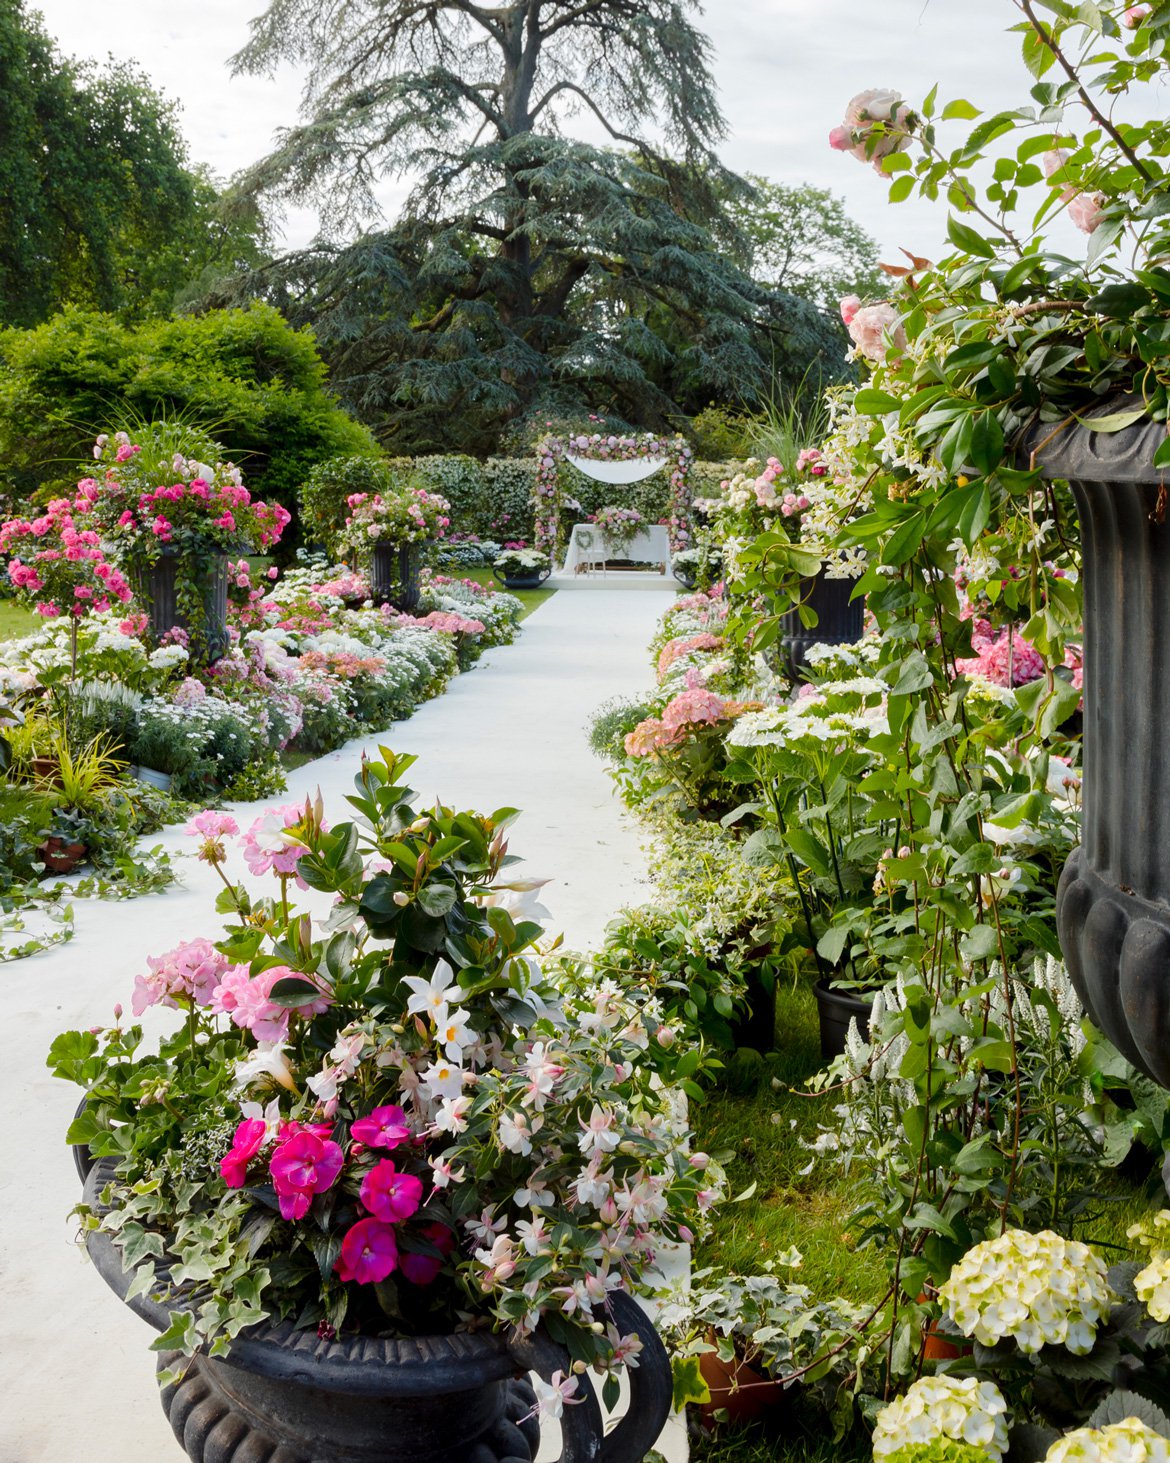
{"points": [[388, 531], [519, 567], [383, 1168]]}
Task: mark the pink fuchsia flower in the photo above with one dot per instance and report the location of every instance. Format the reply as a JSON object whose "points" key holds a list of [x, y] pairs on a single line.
{"points": [[389, 1194], [871, 327], [303, 1165], [247, 1142], [189, 973], [369, 1252], [269, 846], [421, 1269], [385, 1127]]}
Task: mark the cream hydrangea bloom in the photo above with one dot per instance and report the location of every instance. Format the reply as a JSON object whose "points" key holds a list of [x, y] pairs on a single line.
{"points": [[1153, 1287], [935, 1408], [1036, 1289], [1130, 1441]]}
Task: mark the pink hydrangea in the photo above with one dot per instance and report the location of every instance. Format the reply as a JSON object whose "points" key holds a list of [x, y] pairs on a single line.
{"points": [[303, 1165], [390, 1194], [1007, 661], [189, 973], [694, 706], [650, 737], [675, 649], [247, 1142], [369, 1252]]}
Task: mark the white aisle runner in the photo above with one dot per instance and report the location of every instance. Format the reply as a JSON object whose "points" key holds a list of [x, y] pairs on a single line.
{"points": [[75, 1374]]}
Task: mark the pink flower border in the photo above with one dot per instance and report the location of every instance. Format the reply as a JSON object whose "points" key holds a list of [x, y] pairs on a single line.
{"points": [[608, 447]]}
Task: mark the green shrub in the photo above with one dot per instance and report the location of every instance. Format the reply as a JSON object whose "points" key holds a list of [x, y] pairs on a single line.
{"points": [[323, 494], [611, 721], [245, 377]]}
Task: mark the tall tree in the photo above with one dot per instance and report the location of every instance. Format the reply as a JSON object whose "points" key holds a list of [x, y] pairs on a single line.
{"points": [[801, 239], [530, 271], [97, 204]]}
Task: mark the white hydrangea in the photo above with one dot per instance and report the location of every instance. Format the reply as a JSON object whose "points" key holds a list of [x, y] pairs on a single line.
{"points": [[1130, 1441], [960, 1408], [1034, 1289], [1152, 1286]]}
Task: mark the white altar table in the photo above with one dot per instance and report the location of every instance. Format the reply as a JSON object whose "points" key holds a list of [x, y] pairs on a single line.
{"points": [[588, 549]]}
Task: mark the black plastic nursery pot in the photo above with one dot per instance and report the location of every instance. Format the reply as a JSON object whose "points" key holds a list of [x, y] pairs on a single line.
{"points": [[289, 1396], [158, 587], [395, 576], [1113, 901], [835, 1010], [840, 621]]}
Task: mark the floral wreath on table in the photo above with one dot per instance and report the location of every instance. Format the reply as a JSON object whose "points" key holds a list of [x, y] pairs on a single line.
{"points": [[611, 447]]}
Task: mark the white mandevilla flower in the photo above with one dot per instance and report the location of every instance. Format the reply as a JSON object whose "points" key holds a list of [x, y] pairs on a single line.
{"points": [[432, 997], [936, 1408], [267, 1063], [1129, 1441], [1034, 1289]]}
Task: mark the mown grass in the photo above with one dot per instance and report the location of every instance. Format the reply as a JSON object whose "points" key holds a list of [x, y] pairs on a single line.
{"points": [[16, 621], [531, 599]]}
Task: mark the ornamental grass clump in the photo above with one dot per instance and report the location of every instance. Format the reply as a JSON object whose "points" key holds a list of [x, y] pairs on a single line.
{"points": [[389, 1120], [1034, 1289], [952, 1418]]}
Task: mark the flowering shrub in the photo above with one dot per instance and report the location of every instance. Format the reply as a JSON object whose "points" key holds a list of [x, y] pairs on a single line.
{"points": [[61, 568], [1034, 1289], [1128, 1441], [392, 519], [354, 1105], [936, 1409]]}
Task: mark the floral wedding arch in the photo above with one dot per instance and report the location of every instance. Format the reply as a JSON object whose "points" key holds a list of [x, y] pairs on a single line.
{"points": [[612, 459]]}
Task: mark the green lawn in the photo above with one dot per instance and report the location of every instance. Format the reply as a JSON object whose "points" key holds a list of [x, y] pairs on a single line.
{"points": [[16, 621], [531, 599]]}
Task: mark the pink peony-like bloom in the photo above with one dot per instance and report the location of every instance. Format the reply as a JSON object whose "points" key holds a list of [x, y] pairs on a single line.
{"points": [[422, 1269], [877, 123], [385, 1127], [189, 973], [369, 1252], [247, 1142], [870, 327], [303, 1165], [1087, 211], [389, 1194]]}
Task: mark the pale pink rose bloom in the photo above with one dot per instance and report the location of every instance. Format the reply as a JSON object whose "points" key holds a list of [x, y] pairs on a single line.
{"points": [[1085, 210], [868, 330], [1134, 16], [880, 105], [849, 307]]}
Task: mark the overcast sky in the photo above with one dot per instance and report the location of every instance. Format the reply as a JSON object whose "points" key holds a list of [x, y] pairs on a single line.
{"points": [[785, 68]]}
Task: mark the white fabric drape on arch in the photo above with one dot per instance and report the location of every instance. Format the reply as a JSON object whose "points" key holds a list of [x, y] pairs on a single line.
{"points": [[628, 470]]}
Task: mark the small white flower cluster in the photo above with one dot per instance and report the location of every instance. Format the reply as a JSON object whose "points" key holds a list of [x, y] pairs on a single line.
{"points": [[1034, 1289], [1129, 1441], [936, 1408]]}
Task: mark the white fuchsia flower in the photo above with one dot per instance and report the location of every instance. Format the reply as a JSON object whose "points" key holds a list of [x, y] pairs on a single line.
{"points": [[935, 1409], [1129, 1441], [1034, 1289]]}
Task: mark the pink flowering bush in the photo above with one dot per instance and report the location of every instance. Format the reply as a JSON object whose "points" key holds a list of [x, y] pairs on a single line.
{"points": [[395, 1092], [60, 566], [409, 516]]}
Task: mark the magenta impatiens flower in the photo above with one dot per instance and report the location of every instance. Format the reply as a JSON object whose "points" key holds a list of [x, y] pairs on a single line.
{"points": [[369, 1252], [385, 1127], [247, 1142], [302, 1166], [422, 1269], [389, 1194]]}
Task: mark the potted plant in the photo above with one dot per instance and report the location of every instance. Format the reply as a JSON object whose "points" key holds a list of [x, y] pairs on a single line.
{"points": [[176, 521], [380, 1166], [518, 567], [698, 567], [387, 530], [65, 844]]}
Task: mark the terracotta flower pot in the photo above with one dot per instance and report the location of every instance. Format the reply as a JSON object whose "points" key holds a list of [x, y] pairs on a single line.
{"points": [[62, 855], [289, 1396], [738, 1389]]}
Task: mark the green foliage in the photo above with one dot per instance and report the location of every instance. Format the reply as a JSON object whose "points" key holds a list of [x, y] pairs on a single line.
{"points": [[100, 208], [323, 494], [611, 721], [530, 273], [242, 376]]}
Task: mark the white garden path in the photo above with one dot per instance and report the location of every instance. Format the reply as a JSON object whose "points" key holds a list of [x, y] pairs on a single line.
{"points": [[76, 1378]]}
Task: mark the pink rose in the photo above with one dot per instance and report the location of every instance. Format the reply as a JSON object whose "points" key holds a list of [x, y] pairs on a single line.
{"points": [[1134, 16], [1086, 211], [869, 328]]}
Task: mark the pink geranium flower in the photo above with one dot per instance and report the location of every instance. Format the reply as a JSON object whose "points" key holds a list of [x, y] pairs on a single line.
{"points": [[302, 1166], [268, 846], [369, 1252], [385, 1127], [389, 1194], [247, 1142], [247, 999], [189, 973]]}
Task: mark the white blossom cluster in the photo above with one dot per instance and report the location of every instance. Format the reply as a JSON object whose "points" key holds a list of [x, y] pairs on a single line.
{"points": [[1152, 1285], [836, 712], [938, 1408], [1034, 1289], [1129, 1441]]}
